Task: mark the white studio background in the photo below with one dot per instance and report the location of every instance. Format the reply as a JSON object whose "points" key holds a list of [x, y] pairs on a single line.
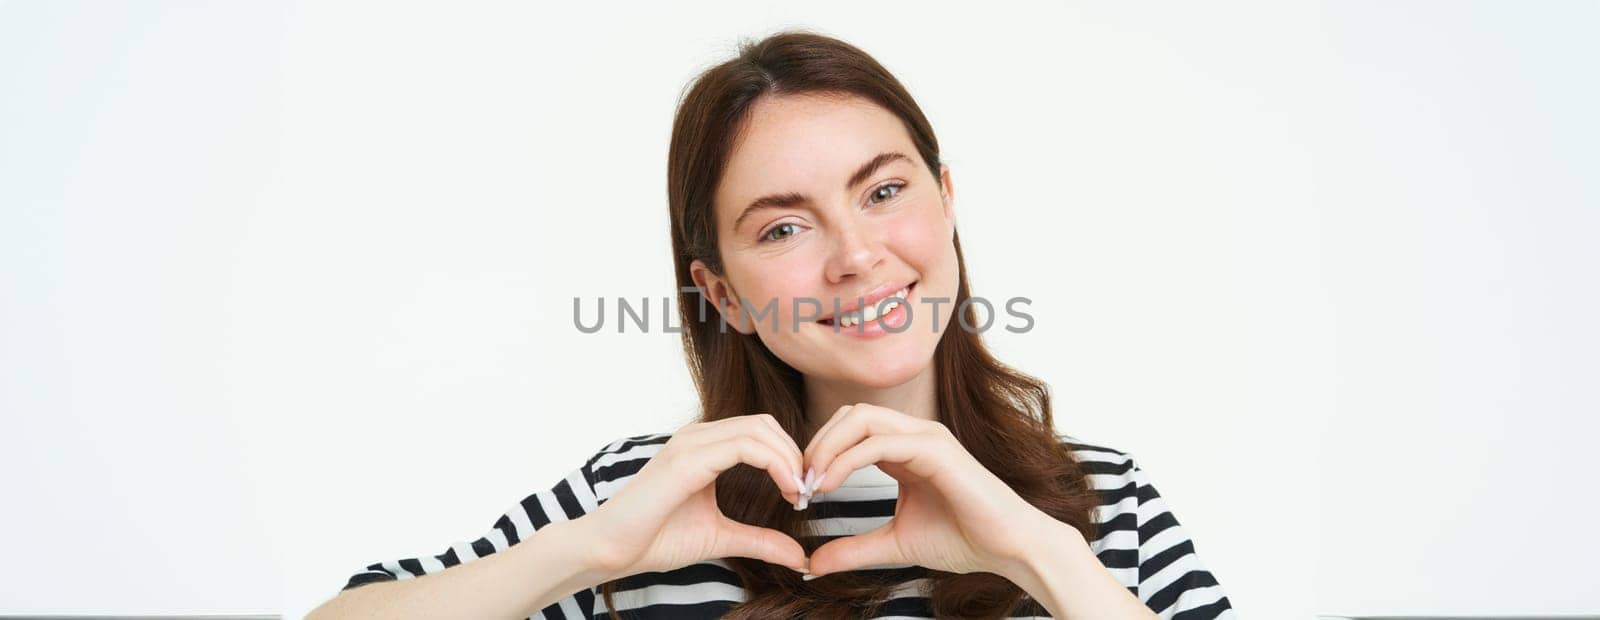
{"points": [[286, 289]]}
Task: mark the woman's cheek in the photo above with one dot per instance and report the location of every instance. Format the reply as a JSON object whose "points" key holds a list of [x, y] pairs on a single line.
{"points": [[920, 235], [786, 288]]}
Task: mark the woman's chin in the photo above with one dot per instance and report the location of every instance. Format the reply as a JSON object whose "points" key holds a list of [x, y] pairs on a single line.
{"points": [[881, 375]]}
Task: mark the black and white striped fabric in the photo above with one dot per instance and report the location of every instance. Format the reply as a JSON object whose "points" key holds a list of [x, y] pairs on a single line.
{"points": [[1139, 541]]}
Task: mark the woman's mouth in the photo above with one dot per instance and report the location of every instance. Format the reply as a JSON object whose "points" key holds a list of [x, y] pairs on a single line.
{"points": [[867, 315]]}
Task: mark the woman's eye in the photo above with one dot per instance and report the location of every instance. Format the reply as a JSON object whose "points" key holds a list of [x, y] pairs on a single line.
{"points": [[880, 192], [769, 235]]}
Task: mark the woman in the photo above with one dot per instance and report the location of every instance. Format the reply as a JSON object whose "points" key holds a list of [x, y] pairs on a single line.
{"points": [[857, 454]]}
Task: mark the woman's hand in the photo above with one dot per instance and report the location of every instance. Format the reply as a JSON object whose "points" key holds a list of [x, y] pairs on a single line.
{"points": [[952, 514], [666, 515]]}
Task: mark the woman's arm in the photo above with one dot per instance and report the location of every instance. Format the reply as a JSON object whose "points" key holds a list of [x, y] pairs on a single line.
{"points": [[552, 563], [665, 517], [1065, 577]]}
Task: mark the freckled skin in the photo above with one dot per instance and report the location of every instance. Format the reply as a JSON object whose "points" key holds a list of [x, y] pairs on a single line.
{"points": [[843, 243]]}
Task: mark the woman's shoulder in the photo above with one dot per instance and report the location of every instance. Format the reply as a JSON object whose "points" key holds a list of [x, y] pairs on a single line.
{"points": [[1091, 450], [1139, 539], [630, 444], [615, 463], [1112, 471]]}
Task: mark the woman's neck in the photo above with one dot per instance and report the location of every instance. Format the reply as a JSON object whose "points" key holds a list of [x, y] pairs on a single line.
{"points": [[916, 397]]}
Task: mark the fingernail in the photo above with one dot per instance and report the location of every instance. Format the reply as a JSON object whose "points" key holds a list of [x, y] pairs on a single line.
{"points": [[805, 500], [811, 476], [814, 485], [808, 577], [799, 484]]}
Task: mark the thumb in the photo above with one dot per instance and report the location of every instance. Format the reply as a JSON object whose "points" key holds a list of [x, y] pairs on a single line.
{"points": [[735, 539], [865, 550]]}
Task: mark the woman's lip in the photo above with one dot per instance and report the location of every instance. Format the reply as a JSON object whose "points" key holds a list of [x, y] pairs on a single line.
{"points": [[870, 300], [909, 288], [892, 322]]}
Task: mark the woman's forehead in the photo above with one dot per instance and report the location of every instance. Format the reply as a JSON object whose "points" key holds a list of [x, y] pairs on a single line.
{"points": [[806, 144]]}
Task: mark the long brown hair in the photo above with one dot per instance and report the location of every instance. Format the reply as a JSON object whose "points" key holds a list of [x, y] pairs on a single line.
{"points": [[1000, 415]]}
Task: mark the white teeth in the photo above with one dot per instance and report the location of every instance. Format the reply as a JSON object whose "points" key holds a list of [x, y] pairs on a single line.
{"points": [[870, 313]]}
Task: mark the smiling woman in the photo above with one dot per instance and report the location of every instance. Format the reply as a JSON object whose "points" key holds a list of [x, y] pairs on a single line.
{"points": [[867, 231], [865, 460]]}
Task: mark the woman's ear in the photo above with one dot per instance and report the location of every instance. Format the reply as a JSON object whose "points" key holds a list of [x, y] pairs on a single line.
{"points": [[720, 293], [947, 191]]}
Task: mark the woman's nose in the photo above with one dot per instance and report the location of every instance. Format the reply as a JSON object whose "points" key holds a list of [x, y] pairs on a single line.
{"points": [[857, 248]]}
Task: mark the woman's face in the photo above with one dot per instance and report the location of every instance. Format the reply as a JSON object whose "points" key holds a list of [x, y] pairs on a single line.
{"points": [[845, 211]]}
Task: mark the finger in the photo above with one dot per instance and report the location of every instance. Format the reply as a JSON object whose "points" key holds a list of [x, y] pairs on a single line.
{"points": [[788, 438], [735, 539], [910, 450], [857, 424], [866, 550], [766, 429], [723, 455], [784, 443], [702, 433], [693, 434], [773, 423], [763, 428], [833, 419]]}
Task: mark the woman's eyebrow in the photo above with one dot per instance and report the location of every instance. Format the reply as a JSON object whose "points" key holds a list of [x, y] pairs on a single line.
{"points": [[790, 199]]}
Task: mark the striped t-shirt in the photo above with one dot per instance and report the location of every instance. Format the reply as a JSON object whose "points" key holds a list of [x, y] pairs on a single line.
{"points": [[1139, 541]]}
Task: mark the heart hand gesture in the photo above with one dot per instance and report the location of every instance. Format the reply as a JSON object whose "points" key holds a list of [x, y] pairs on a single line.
{"points": [[952, 514]]}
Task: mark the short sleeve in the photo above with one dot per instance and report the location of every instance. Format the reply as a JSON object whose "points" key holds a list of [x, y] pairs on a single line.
{"points": [[1173, 581], [569, 498]]}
